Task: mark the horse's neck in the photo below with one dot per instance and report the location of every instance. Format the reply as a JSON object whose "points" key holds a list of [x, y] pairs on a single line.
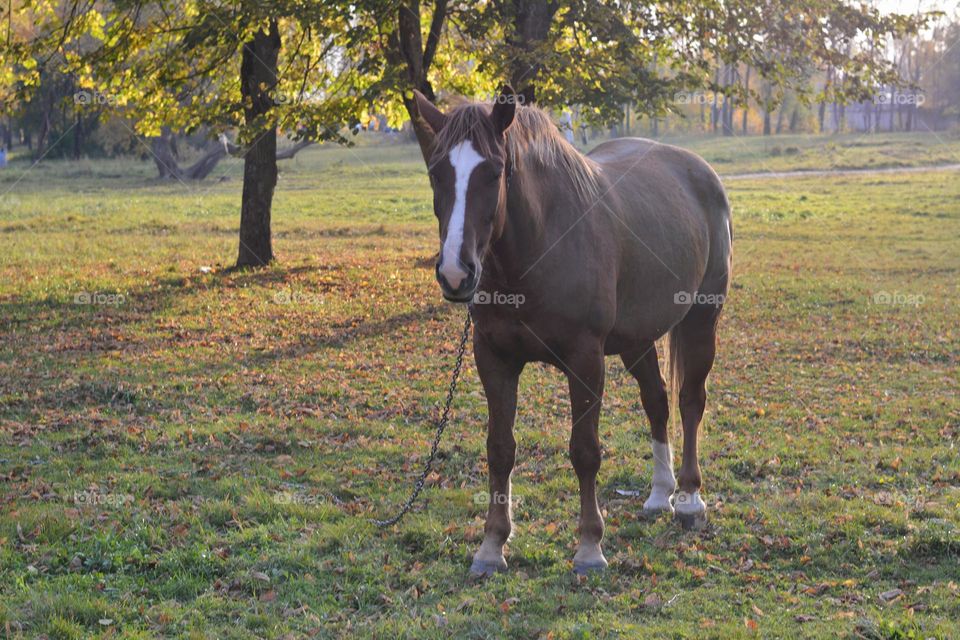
{"points": [[523, 238]]}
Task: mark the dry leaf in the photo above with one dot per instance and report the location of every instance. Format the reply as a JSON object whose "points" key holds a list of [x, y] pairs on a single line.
{"points": [[653, 601], [891, 595]]}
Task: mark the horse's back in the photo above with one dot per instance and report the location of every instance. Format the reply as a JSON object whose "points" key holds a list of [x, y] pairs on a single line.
{"points": [[677, 208], [658, 165]]}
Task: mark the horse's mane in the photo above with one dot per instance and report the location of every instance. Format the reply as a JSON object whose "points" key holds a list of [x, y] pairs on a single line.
{"points": [[533, 137]]}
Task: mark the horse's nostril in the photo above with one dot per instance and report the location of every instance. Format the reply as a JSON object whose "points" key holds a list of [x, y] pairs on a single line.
{"points": [[457, 279]]}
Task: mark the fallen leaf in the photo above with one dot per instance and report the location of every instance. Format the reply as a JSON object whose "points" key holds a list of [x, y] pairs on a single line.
{"points": [[653, 601], [891, 595]]}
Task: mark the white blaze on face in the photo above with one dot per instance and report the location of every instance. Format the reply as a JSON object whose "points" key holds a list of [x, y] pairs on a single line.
{"points": [[464, 159], [663, 483]]}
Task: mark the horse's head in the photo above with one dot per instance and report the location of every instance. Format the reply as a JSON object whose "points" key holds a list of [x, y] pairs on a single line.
{"points": [[465, 153]]}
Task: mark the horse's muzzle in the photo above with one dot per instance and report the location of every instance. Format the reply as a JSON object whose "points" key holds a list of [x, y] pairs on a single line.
{"points": [[468, 286]]}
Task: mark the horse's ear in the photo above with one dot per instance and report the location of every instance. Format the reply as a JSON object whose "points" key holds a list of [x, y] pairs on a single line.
{"points": [[433, 116], [504, 109]]}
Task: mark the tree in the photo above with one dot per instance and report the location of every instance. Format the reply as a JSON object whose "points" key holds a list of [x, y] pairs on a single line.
{"points": [[199, 64], [603, 54], [407, 50], [309, 69]]}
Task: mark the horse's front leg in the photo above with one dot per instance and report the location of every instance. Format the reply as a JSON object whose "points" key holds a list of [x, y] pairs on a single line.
{"points": [[585, 374], [499, 375]]}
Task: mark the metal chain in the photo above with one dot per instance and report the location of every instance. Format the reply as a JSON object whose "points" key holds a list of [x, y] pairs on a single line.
{"points": [[441, 425]]}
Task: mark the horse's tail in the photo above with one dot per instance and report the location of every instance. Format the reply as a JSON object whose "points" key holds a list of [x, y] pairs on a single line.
{"points": [[675, 366]]}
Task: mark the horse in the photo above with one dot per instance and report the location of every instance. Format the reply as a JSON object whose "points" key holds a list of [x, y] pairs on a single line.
{"points": [[566, 258]]}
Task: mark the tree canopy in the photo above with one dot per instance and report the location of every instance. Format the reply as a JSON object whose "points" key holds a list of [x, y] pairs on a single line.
{"points": [[311, 69]]}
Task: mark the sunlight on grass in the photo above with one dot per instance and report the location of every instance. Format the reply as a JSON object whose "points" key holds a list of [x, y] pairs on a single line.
{"points": [[187, 452]]}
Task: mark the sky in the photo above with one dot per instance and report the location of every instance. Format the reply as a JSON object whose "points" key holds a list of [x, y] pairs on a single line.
{"points": [[911, 6]]}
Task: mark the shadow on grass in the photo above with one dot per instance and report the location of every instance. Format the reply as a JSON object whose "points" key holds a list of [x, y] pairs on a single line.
{"points": [[27, 324]]}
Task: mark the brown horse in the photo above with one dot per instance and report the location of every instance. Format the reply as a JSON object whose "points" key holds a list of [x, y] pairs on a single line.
{"points": [[568, 258]]}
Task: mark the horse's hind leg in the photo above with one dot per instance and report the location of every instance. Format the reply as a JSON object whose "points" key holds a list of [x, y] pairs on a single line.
{"points": [[643, 364], [695, 347], [500, 377]]}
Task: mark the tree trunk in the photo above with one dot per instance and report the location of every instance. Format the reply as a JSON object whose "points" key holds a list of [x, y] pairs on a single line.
{"points": [[877, 116], [767, 98], [746, 102], [714, 109], [163, 155], [46, 107], [258, 77], [407, 48], [732, 79], [821, 114], [725, 108], [531, 20], [78, 135], [164, 152]]}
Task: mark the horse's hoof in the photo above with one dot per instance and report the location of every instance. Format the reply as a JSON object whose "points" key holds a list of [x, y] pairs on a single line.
{"points": [[655, 512], [691, 521], [485, 569], [593, 566]]}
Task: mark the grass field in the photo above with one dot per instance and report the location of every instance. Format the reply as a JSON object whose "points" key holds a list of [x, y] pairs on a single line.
{"points": [[193, 453]]}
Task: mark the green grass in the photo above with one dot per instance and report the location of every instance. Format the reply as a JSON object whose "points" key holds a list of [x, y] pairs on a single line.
{"points": [[200, 458], [804, 152]]}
